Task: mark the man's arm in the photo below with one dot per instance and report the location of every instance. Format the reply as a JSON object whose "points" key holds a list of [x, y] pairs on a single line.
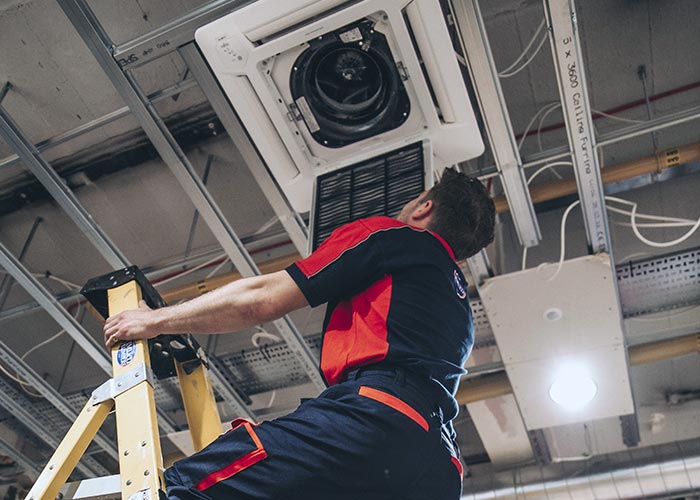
{"points": [[238, 305]]}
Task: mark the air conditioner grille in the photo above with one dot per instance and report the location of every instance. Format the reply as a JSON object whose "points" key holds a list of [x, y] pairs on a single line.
{"points": [[378, 186]]}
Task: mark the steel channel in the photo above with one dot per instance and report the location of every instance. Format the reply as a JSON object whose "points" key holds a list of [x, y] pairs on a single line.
{"points": [[479, 267], [30, 468], [169, 37], [571, 79], [289, 218], [99, 122], [615, 136], [79, 13], [55, 185], [496, 119], [51, 394], [72, 206], [149, 272], [88, 465], [4, 90], [662, 122], [52, 306], [6, 284], [195, 217]]}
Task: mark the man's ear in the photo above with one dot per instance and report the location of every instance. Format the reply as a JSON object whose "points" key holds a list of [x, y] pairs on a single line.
{"points": [[423, 210]]}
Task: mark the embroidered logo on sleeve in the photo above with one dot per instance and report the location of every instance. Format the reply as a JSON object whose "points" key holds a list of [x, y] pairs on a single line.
{"points": [[460, 287]]}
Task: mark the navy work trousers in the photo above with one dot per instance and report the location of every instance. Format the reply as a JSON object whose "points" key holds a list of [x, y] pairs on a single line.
{"points": [[373, 437]]}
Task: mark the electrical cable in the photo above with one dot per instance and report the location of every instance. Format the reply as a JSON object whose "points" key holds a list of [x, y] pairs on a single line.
{"points": [[618, 118], [263, 334], [544, 108], [22, 383], [650, 217], [562, 244], [42, 344], [529, 60], [525, 50], [191, 270], [216, 269], [640, 237], [548, 166], [541, 123]]}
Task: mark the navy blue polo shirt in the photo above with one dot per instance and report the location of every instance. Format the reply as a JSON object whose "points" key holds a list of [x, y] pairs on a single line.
{"points": [[395, 296]]}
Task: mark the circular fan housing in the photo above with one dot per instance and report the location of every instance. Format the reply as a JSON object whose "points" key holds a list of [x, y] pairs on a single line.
{"points": [[347, 87]]}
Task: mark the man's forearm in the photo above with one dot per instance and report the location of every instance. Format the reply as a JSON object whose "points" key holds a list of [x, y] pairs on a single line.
{"points": [[226, 309], [236, 306]]}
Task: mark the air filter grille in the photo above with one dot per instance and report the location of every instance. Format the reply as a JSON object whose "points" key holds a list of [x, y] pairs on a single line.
{"points": [[378, 186]]}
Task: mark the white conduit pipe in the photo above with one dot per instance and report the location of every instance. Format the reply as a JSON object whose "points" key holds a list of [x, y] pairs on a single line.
{"points": [[627, 483]]}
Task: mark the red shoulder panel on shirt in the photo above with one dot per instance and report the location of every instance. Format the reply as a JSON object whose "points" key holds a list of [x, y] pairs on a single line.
{"points": [[342, 239], [350, 236]]}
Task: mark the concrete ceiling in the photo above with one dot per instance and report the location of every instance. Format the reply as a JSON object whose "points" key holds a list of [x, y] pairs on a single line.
{"points": [[58, 86]]}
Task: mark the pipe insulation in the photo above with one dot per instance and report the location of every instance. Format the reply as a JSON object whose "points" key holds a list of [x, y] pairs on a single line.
{"points": [[673, 476]]}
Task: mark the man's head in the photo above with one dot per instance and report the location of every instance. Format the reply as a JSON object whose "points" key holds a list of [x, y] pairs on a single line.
{"points": [[459, 209]]}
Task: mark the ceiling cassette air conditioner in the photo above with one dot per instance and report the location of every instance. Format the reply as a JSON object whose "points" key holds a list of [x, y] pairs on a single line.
{"points": [[322, 84]]}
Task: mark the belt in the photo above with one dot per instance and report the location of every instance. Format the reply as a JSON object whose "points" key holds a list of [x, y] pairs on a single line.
{"points": [[435, 396]]}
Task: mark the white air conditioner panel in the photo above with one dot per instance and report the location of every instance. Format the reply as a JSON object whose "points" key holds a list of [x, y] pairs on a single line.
{"points": [[253, 50]]}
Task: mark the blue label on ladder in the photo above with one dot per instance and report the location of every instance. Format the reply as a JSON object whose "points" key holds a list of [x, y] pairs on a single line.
{"points": [[126, 353]]}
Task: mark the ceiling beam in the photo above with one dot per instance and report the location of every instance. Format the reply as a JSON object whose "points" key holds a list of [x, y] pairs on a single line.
{"points": [[31, 469], [101, 121], [24, 371], [14, 406], [87, 26], [169, 37], [66, 320], [289, 218], [571, 78], [58, 189], [494, 112]]}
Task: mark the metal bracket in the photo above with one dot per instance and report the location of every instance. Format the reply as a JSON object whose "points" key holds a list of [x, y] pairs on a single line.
{"points": [[4, 90], [141, 495], [118, 385], [403, 72]]}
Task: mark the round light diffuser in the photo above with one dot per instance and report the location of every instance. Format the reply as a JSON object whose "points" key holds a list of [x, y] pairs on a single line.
{"points": [[573, 388]]}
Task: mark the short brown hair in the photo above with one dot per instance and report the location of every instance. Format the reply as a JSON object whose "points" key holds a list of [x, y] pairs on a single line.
{"points": [[464, 213]]}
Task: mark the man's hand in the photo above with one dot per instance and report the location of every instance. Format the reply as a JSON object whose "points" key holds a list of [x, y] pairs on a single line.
{"points": [[131, 325]]}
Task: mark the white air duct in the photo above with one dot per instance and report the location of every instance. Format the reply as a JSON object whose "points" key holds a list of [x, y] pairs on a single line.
{"points": [[670, 477]]}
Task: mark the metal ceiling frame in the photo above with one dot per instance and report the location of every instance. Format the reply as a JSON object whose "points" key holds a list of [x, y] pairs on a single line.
{"points": [[55, 185], [88, 465], [30, 468], [115, 115], [46, 299], [494, 112], [290, 219], [58, 189], [92, 33], [169, 37], [24, 371], [109, 251], [54, 308], [573, 90]]}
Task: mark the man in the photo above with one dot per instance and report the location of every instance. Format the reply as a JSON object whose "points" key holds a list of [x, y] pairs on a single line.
{"points": [[397, 332]]}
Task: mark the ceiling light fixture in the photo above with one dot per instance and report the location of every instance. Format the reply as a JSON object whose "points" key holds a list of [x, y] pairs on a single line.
{"points": [[573, 388]]}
